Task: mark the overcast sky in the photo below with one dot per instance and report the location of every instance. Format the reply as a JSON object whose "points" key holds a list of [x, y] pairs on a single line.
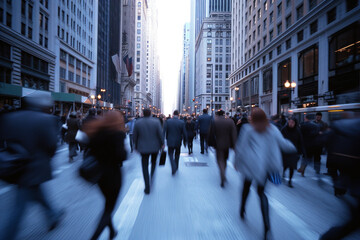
{"points": [[173, 14]]}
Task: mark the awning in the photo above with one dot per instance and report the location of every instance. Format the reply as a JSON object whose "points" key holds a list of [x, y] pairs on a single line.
{"points": [[10, 90], [66, 97]]}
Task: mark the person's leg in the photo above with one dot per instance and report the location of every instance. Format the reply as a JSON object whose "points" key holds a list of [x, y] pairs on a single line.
{"points": [[23, 195], [264, 207], [171, 156], [317, 159], [153, 163], [245, 193], [177, 156], [145, 170], [131, 142], [202, 142], [291, 174], [220, 157], [206, 142], [191, 144]]}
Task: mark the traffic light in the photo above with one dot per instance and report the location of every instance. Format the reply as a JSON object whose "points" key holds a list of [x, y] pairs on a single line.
{"points": [[193, 99]]}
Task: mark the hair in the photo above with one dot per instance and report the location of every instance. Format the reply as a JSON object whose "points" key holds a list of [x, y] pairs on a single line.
{"points": [[258, 116], [111, 121], [220, 113], [147, 112], [293, 119], [176, 113], [205, 110], [318, 114]]}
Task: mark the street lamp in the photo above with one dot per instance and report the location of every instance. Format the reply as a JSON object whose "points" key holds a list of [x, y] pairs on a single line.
{"points": [[291, 85], [99, 96]]}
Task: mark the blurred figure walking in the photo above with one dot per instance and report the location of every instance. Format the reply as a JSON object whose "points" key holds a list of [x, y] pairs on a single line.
{"points": [[106, 144], [258, 154], [223, 131], [204, 125], [148, 140], [191, 133], [73, 125], [318, 149], [130, 127], [310, 132], [292, 132], [36, 132], [174, 130]]}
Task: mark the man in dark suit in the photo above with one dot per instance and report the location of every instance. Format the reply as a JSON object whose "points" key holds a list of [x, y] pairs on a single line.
{"points": [[224, 132], [175, 132], [36, 132], [204, 125], [148, 140]]}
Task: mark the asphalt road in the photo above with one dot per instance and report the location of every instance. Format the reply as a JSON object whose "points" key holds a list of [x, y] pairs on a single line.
{"points": [[189, 205]]}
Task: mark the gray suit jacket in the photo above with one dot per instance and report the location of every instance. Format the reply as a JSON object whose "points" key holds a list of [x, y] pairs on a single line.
{"points": [[175, 132], [37, 133], [147, 135]]}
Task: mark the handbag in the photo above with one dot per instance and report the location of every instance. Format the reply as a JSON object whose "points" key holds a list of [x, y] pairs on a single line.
{"points": [[13, 161], [162, 158], [81, 137], [275, 178], [91, 169]]}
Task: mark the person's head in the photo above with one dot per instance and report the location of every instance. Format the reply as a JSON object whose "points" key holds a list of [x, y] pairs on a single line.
{"points": [[205, 111], [92, 112], [111, 121], [292, 122], [259, 120], [146, 112], [318, 116], [176, 113], [309, 117], [275, 118], [220, 113], [189, 119]]}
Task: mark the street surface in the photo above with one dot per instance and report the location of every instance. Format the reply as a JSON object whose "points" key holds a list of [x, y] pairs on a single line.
{"points": [[189, 205]]}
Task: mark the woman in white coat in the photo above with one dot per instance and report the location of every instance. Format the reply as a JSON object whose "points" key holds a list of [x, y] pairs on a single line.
{"points": [[258, 154]]}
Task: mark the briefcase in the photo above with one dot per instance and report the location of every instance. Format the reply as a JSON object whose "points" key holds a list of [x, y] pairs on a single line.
{"points": [[162, 158]]}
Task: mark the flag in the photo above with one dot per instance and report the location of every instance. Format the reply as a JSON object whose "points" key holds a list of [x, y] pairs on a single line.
{"points": [[128, 64]]}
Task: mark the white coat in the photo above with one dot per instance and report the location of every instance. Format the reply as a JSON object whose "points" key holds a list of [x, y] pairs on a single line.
{"points": [[258, 154]]}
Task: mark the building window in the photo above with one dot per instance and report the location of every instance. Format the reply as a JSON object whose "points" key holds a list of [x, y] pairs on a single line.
{"points": [[279, 10], [284, 73], [23, 8], [351, 4], [270, 55], [41, 39], [300, 36], [30, 32], [300, 12], [71, 76], [278, 49], [264, 24], [331, 15], [62, 55], [313, 27], [23, 28], [46, 42], [288, 21], [62, 73], [254, 86], [267, 81], [288, 44], [279, 29], [264, 41], [271, 17], [271, 35], [8, 19], [312, 4], [308, 63], [30, 8]]}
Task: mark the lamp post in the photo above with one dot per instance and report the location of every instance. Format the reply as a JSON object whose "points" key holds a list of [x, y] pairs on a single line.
{"points": [[291, 86]]}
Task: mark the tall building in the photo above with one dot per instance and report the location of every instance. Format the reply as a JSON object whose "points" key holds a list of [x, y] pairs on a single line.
{"points": [[109, 60], [75, 46], [311, 45], [26, 49], [141, 98], [152, 58], [128, 54], [184, 72], [212, 56]]}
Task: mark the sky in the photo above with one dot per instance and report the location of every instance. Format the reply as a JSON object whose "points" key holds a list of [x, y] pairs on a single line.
{"points": [[172, 15]]}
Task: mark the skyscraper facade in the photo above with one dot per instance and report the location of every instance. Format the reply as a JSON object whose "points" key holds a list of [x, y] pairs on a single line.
{"points": [[184, 72], [311, 45]]}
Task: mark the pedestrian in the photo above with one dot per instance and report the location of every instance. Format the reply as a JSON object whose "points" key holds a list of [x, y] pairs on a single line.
{"points": [[174, 130], [275, 119], [319, 148], [73, 125], [258, 154], [36, 132], [107, 135], [148, 140], [204, 125], [190, 132], [310, 132], [130, 127], [243, 120], [224, 132], [344, 156], [292, 132]]}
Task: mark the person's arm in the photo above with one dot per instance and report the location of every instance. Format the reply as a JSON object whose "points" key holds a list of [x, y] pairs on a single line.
{"points": [[233, 134], [184, 134], [135, 135], [160, 134]]}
